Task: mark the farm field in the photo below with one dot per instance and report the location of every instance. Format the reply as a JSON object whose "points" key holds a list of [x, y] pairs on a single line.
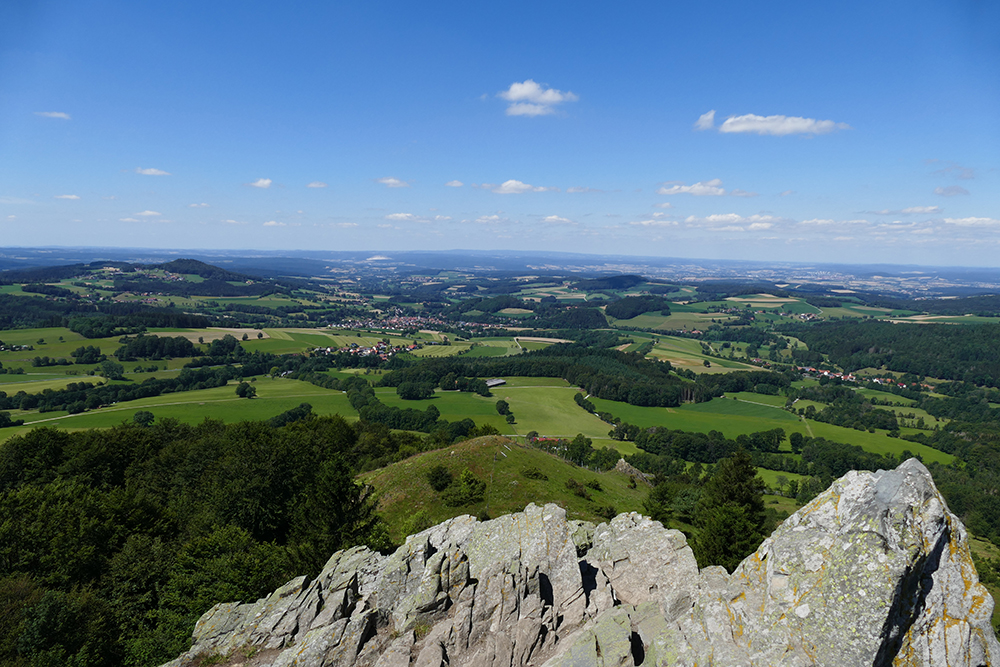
{"points": [[273, 398], [545, 405], [736, 417]]}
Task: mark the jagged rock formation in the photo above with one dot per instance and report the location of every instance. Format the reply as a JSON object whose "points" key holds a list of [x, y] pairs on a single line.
{"points": [[875, 571]]}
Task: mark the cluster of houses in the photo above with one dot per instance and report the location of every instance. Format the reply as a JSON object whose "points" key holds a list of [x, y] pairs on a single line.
{"points": [[819, 373], [850, 377], [382, 350]]}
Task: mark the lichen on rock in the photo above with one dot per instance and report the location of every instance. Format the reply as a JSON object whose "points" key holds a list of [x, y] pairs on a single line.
{"points": [[874, 571]]}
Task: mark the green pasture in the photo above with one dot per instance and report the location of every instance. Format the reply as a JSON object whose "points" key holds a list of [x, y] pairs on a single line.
{"points": [[735, 417], [878, 442], [770, 477], [545, 405], [273, 398], [730, 417], [750, 397]]}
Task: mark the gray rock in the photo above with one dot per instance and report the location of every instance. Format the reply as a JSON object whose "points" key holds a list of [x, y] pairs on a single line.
{"points": [[875, 571]]}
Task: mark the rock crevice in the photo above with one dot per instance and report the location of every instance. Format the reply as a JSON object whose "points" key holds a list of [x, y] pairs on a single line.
{"points": [[875, 571]]}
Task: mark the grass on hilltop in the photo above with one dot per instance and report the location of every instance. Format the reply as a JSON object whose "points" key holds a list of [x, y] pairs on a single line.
{"points": [[409, 504]]}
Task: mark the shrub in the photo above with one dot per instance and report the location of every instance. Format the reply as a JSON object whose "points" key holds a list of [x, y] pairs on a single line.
{"points": [[439, 477]]}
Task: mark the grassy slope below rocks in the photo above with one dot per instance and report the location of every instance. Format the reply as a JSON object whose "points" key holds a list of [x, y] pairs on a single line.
{"points": [[409, 504]]}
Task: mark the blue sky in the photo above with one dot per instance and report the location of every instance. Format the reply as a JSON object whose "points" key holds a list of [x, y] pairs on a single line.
{"points": [[849, 132]]}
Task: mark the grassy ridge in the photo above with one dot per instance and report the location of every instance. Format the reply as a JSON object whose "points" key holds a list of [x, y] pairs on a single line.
{"points": [[408, 503]]}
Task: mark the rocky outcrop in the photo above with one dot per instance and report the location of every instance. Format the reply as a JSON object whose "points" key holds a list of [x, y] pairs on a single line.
{"points": [[875, 571]]}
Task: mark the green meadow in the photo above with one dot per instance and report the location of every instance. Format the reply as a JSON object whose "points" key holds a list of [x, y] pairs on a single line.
{"points": [[273, 398]]}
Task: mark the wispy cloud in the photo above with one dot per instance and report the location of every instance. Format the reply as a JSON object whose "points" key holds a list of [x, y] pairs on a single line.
{"points": [[706, 121], [235, 222], [392, 182], [127, 220], [151, 171], [712, 188], [454, 184], [557, 220], [741, 193], [347, 225], [664, 204], [67, 196], [950, 191], [515, 187], [734, 222], [148, 214], [973, 222], [53, 114], [654, 223], [316, 184], [201, 205], [409, 217], [954, 169], [531, 99], [776, 125], [910, 210], [274, 223], [263, 183]]}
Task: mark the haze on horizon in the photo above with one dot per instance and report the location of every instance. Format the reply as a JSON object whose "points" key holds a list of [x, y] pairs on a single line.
{"points": [[845, 133]]}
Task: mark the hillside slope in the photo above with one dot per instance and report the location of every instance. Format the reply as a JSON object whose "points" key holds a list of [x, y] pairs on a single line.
{"points": [[409, 504]]}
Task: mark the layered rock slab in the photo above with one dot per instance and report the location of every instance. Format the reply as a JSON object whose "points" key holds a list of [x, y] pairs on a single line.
{"points": [[874, 571]]}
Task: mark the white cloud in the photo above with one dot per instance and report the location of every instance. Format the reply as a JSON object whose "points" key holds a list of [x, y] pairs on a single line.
{"points": [[12, 217], [950, 191], [392, 182], [348, 225], [665, 204], [734, 222], [128, 220], [911, 210], [712, 188], [442, 218], [973, 222], [454, 184], [514, 187], [557, 220], [234, 222], [151, 172], [531, 99], [779, 125], [67, 197], [819, 221], [706, 121], [654, 223], [263, 183], [316, 184], [148, 214], [53, 114], [401, 216], [274, 223], [201, 205], [742, 193]]}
